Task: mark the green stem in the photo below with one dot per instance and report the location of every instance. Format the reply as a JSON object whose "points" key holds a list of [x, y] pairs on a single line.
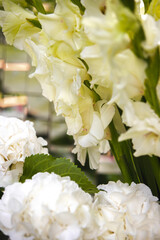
{"points": [[123, 154], [155, 163], [151, 81], [144, 169], [150, 172]]}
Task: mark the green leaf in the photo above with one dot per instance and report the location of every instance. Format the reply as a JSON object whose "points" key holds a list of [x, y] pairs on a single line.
{"points": [[34, 22], [149, 167], [79, 4], [129, 4], [152, 73], [155, 164], [61, 166], [37, 4]]}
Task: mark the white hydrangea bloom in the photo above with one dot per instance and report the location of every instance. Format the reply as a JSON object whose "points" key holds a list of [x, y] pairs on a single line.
{"points": [[126, 212], [18, 140], [46, 207]]}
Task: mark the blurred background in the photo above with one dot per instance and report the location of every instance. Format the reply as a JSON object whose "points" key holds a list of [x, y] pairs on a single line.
{"points": [[21, 97]]}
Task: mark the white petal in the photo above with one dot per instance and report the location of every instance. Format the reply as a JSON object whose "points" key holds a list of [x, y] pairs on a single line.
{"points": [[94, 157], [87, 140], [97, 129]]}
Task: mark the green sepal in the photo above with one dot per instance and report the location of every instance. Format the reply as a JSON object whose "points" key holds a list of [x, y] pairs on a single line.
{"points": [[37, 4], [61, 166], [87, 84], [34, 22], [129, 4], [79, 4], [146, 4], [84, 63], [95, 95]]}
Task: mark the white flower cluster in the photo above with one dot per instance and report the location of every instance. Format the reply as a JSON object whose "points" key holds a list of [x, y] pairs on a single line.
{"points": [[86, 64], [50, 207], [46, 207], [18, 140], [127, 212]]}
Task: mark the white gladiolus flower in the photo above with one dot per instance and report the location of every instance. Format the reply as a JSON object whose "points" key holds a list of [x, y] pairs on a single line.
{"points": [[43, 71], [62, 82], [153, 9], [94, 153], [128, 82], [18, 140], [110, 52], [152, 32], [104, 29], [63, 79], [64, 24], [107, 39], [93, 7], [16, 28], [46, 207], [95, 140], [126, 212], [116, 83], [78, 116], [144, 128], [139, 8], [99, 69]]}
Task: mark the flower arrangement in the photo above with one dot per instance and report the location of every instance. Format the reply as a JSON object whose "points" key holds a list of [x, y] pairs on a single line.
{"points": [[98, 61]]}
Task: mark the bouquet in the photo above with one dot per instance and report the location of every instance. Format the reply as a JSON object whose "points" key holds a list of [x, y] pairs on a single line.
{"points": [[98, 61]]}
